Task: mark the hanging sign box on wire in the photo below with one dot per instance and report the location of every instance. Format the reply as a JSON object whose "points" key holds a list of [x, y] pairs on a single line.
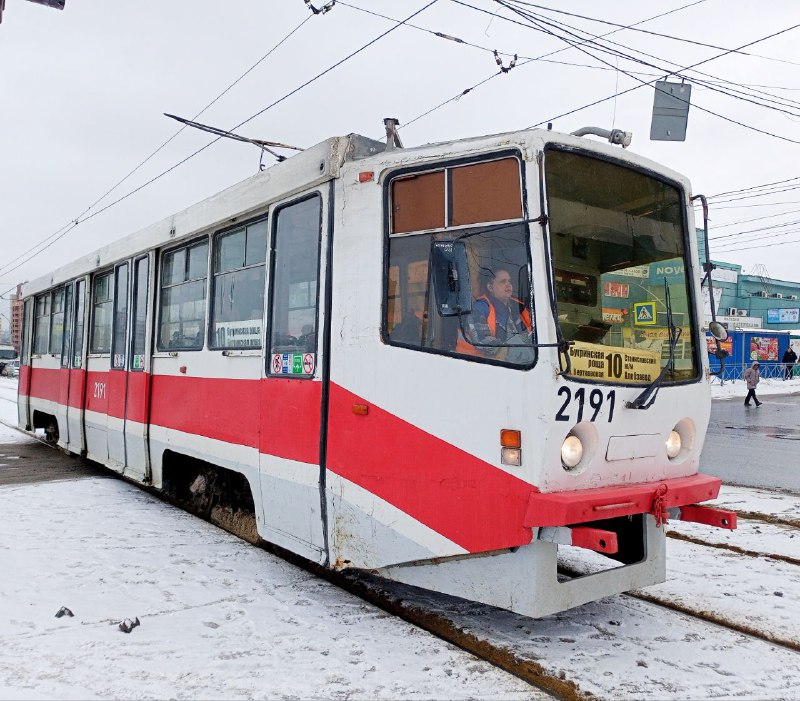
{"points": [[670, 111]]}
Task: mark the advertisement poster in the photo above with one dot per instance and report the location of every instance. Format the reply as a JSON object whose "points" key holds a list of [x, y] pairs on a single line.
{"points": [[726, 345], [783, 316], [614, 316], [616, 289], [763, 348]]}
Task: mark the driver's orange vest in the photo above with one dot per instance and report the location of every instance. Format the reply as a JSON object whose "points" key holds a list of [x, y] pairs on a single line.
{"points": [[463, 346]]}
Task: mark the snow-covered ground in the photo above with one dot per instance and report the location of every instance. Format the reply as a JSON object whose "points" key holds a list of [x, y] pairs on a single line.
{"points": [[738, 389], [223, 619]]}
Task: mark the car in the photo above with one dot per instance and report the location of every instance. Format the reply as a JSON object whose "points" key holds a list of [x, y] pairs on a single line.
{"points": [[11, 368]]}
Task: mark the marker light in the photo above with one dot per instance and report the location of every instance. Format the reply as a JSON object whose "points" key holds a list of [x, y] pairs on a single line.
{"points": [[673, 444], [571, 451], [510, 439], [510, 447], [511, 456]]}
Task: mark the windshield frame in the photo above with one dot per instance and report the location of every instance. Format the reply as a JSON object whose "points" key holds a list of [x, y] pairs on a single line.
{"points": [[689, 263], [456, 232]]}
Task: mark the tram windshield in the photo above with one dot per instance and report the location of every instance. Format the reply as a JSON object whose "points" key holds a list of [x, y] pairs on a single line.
{"points": [[623, 297]]}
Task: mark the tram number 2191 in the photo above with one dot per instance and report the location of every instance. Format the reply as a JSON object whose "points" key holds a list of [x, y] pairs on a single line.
{"points": [[596, 401]]}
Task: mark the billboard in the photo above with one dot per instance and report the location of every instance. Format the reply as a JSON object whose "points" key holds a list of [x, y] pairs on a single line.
{"points": [[783, 316], [763, 348]]}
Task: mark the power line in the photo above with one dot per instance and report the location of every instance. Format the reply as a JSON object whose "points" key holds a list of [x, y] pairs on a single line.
{"points": [[753, 187], [647, 31], [734, 91], [533, 25], [542, 58], [536, 22], [249, 119], [75, 221]]}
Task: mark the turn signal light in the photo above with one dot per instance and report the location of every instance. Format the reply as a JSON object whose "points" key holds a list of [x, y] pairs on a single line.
{"points": [[510, 439], [366, 176]]}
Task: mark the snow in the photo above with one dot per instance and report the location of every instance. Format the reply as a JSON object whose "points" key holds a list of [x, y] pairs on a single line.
{"points": [[737, 389], [219, 617], [223, 619]]}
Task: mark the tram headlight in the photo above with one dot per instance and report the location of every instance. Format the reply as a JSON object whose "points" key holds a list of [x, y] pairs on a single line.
{"points": [[571, 451], [673, 444]]}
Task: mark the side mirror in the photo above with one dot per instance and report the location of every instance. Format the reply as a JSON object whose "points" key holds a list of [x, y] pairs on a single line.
{"points": [[718, 331], [450, 271]]}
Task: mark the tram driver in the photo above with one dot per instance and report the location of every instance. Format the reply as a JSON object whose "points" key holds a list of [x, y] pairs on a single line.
{"points": [[498, 319]]}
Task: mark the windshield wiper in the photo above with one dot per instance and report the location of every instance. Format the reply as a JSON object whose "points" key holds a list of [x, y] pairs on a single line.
{"points": [[648, 396]]}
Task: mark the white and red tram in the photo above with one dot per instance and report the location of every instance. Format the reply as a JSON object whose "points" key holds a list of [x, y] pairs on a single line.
{"points": [[311, 332]]}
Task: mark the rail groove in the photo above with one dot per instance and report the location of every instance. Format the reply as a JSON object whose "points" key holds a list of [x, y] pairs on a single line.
{"points": [[733, 548]]}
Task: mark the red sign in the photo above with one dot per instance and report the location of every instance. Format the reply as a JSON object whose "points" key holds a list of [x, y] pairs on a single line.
{"points": [[616, 289], [308, 363], [726, 345]]}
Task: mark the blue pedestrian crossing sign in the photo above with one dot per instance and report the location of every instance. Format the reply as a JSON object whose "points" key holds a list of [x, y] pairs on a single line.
{"points": [[644, 314]]}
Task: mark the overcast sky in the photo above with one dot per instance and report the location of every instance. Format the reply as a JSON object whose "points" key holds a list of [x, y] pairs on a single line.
{"points": [[82, 92]]}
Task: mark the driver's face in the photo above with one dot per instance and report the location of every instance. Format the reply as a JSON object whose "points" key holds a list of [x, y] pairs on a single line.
{"points": [[501, 287]]}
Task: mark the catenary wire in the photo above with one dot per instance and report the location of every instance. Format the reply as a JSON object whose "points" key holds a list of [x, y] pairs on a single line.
{"points": [[203, 148], [647, 31], [536, 22], [74, 222], [542, 57], [645, 83]]}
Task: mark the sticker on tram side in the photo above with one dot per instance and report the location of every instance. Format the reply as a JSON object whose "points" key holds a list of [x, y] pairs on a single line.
{"points": [[597, 362], [292, 363], [138, 362]]}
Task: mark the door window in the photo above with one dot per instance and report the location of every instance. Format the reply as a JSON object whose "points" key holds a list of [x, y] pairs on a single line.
{"points": [[120, 317], [295, 276], [141, 277]]}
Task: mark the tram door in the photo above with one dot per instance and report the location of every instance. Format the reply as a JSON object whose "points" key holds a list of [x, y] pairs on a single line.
{"points": [[128, 385], [66, 320], [292, 391], [137, 403], [117, 387], [24, 386], [76, 364]]}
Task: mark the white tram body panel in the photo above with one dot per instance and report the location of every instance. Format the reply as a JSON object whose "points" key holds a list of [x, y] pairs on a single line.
{"points": [[370, 434]]}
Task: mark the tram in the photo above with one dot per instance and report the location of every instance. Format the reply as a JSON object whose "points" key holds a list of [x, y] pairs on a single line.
{"points": [[447, 364]]}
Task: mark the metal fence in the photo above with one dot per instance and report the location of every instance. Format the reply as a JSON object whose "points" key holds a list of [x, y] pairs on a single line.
{"points": [[769, 371]]}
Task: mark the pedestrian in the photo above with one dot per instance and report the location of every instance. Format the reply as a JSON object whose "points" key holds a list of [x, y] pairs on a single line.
{"points": [[752, 376], [789, 359]]}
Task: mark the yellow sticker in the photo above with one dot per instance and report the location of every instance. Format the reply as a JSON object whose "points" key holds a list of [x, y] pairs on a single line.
{"points": [[605, 363], [644, 314]]}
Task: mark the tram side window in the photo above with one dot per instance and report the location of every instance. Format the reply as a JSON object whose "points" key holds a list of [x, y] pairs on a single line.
{"points": [[68, 319], [120, 317], [101, 315], [80, 312], [141, 276], [57, 321], [238, 300], [183, 298], [41, 328], [295, 274], [500, 327]]}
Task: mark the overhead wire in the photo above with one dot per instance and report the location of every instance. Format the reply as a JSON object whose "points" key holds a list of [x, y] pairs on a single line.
{"points": [[541, 57], [534, 24], [75, 220], [709, 81], [540, 24], [215, 140], [652, 33]]}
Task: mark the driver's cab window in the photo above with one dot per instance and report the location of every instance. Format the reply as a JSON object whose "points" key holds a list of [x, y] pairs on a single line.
{"points": [[480, 205]]}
